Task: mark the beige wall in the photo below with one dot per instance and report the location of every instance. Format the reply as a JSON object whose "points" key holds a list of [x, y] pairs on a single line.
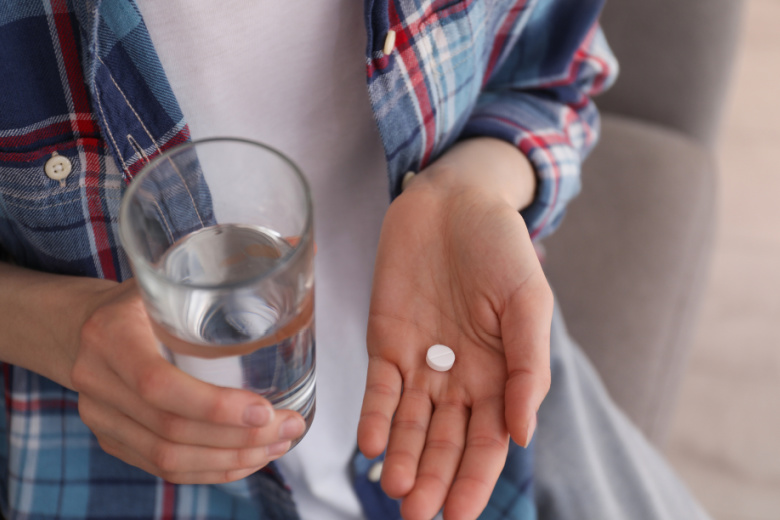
{"points": [[726, 434]]}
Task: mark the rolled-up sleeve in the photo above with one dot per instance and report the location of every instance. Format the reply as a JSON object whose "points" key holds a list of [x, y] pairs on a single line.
{"points": [[538, 97]]}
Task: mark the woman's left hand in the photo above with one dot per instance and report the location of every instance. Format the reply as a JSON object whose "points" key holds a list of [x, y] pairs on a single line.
{"points": [[455, 266]]}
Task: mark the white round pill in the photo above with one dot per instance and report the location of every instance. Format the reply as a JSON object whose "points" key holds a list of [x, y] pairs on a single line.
{"points": [[440, 358]]}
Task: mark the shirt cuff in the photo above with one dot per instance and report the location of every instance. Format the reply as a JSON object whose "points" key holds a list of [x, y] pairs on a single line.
{"points": [[554, 137]]}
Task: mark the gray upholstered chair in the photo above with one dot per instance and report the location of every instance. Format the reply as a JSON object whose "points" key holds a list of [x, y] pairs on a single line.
{"points": [[629, 261]]}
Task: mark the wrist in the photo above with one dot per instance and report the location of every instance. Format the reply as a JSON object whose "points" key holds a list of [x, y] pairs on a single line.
{"points": [[485, 166], [41, 318]]}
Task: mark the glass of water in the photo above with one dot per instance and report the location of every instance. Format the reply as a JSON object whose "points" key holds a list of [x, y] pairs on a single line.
{"points": [[219, 235]]}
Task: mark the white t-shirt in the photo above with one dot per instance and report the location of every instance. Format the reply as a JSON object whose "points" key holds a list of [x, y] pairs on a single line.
{"points": [[292, 74]]}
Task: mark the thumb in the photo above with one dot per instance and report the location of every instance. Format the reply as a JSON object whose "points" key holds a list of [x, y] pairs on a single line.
{"points": [[525, 329]]}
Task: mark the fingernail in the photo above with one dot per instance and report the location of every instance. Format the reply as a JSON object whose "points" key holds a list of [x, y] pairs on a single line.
{"points": [[291, 428], [531, 428], [277, 449], [258, 415]]}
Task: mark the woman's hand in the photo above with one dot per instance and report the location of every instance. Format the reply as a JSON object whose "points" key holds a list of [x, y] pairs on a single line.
{"points": [[97, 340], [456, 266], [150, 414]]}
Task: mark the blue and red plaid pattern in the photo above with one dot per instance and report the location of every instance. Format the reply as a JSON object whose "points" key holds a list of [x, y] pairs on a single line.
{"points": [[519, 70], [81, 79]]}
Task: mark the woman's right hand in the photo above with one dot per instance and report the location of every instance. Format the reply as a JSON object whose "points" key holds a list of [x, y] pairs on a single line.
{"points": [[152, 415]]}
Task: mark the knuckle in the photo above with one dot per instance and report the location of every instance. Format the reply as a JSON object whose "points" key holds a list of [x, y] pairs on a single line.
{"points": [[453, 408], [241, 458], [256, 437], [376, 416], [172, 477], [232, 475], [80, 375], [151, 384], [247, 458], [93, 330], [99, 329], [108, 446], [409, 425], [444, 445], [434, 479], [416, 394], [170, 426], [477, 481], [86, 410], [382, 389], [486, 442], [402, 456], [227, 476], [164, 457], [219, 411]]}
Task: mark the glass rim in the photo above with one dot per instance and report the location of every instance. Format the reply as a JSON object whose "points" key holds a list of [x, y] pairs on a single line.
{"points": [[132, 249]]}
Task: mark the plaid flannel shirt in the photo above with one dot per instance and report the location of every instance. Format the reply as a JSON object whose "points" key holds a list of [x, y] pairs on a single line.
{"points": [[81, 79]]}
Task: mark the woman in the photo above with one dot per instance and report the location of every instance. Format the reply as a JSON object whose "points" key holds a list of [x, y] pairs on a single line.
{"points": [[486, 101]]}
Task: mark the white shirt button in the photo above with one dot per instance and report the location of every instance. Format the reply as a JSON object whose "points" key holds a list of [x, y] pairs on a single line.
{"points": [[375, 473], [389, 42], [406, 180], [57, 167]]}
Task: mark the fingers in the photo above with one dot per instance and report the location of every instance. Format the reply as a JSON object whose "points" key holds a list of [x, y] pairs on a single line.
{"points": [[149, 413], [118, 338], [487, 445], [383, 391], [165, 387], [407, 439], [127, 439], [439, 463], [109, 388], [284, 424], [200, 477], [525, 327]]}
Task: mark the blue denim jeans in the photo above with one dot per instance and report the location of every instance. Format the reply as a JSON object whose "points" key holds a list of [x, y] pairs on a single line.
{"points": [[592, 463]]}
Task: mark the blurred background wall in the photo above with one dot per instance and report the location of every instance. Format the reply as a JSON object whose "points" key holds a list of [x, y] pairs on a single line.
{"points": [[725, 438]]}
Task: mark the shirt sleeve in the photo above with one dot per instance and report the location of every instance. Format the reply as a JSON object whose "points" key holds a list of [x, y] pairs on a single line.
{"points": [[538, 97]]}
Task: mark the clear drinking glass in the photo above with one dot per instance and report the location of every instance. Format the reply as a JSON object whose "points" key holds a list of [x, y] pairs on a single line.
{"points": [[219, 236]]}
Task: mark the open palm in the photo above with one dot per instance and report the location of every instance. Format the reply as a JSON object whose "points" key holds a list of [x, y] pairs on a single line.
{"points": [[458, 269]]}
